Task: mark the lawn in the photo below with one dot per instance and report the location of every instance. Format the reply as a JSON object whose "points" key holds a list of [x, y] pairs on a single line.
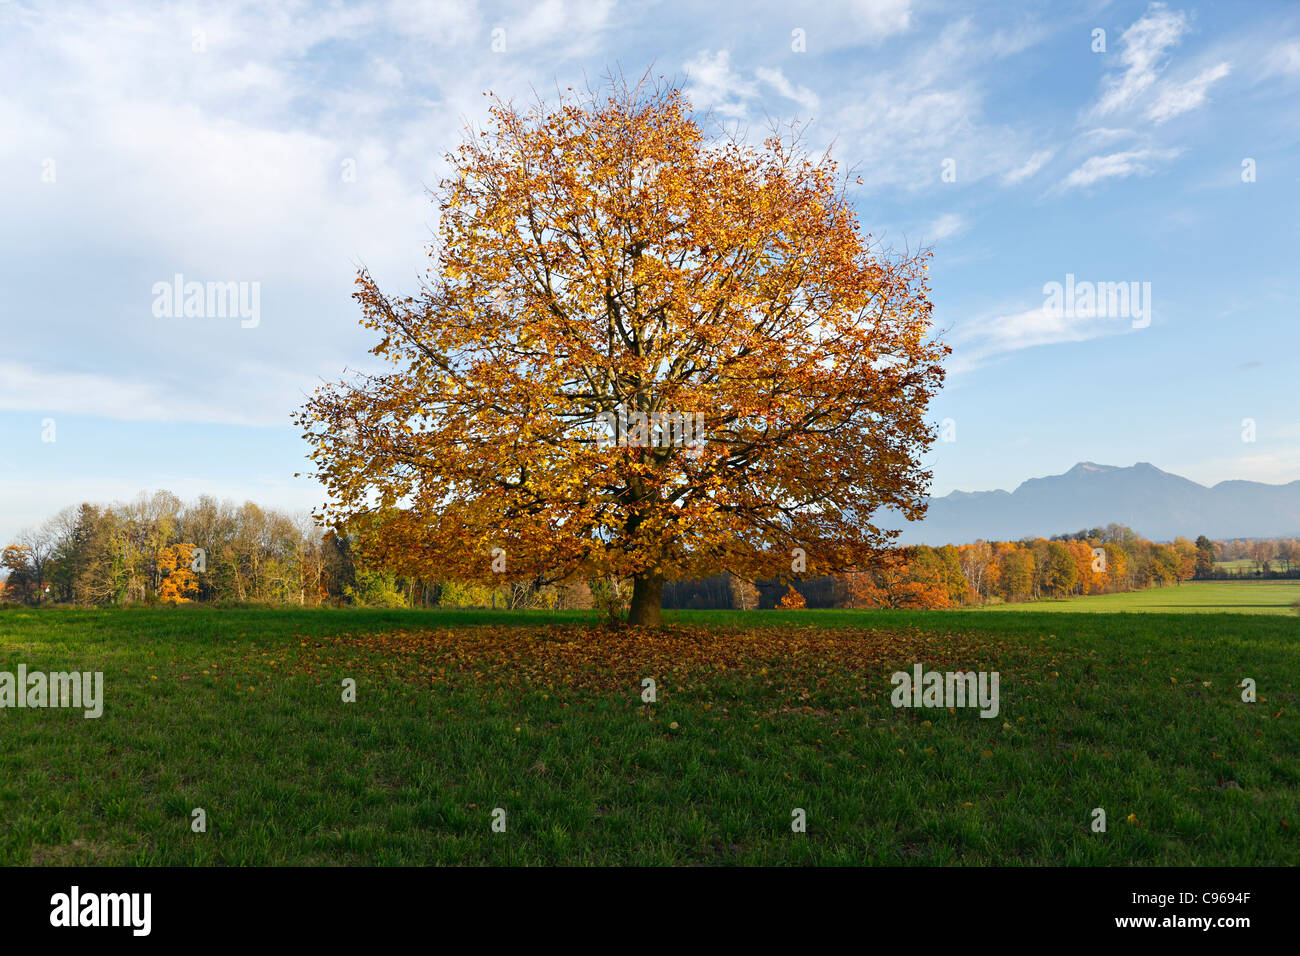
{"points": [[240, 712], [1202, 597], [1244, 565]]}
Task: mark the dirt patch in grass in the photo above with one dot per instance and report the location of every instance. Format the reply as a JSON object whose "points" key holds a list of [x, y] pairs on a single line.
{"points": [[76, 853]]}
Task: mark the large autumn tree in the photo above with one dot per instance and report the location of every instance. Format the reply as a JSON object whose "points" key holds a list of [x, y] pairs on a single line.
{"points": [[599, 260]]}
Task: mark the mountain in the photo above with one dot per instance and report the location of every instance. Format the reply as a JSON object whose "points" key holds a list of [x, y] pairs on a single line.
{"points": [[1154, 503]]}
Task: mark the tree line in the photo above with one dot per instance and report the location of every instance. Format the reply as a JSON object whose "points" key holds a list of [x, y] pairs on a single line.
{"points": [[1258, 557], [1089, 561], [1096, 561], [158, 548]]}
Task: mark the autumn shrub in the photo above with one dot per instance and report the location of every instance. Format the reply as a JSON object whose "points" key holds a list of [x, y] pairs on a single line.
{"points": [[610, 599], [375, 589], [462, 594], [791, 600]]}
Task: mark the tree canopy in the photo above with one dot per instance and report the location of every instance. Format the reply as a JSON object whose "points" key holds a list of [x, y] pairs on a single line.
{"points": [[639, 351]]}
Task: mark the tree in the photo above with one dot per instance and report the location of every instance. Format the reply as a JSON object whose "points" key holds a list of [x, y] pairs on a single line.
{"points": [[95, 557], [791, 600], [1165, 563], [1059, 571], [1261, 552], [179, 583], [1086, 580], [374, 589], [1120, 534], [1204, 557], [575, 595], [33, 556], [744, 595], [948, 564], [1289, 551], [1186, 553], [1117, 569], [901, 578], [642, 354], [977, 566], [21, 582], [1017, 574]]}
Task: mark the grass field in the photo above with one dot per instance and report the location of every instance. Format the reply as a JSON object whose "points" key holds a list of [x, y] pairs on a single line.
{"points": [[240, 712], [1246, 565], [1202, 597]]}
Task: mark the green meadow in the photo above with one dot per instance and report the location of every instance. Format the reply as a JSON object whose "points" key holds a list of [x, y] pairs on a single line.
{"points": [[1190, 597], [537, 723]]}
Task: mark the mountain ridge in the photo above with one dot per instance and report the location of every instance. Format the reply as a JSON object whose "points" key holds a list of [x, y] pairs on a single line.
{"points": [[1157, 504]]}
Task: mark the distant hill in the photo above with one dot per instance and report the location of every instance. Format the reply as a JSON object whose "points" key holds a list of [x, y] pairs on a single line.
{"points": [[1154, 503]]}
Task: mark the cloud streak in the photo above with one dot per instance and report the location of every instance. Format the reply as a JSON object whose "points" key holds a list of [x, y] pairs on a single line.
{"points": [[976, 342], [1145, 45], [1141, 162]]}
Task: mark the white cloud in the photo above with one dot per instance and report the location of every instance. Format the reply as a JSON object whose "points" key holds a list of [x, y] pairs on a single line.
{"points": [[711, 84], [1139, 162], [1143, 55], [1102, 135], [266, 400], [881, 18], [800, 94], [443, 23], [572, 26], [227, 164], [1174, 99], [901, 125], [976, 341], [895, 126], [1285, 58], [945, 227], [1032, 165]]}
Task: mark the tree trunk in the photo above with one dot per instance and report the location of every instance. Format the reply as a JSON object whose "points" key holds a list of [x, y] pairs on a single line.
{"points": [[647, 600]]}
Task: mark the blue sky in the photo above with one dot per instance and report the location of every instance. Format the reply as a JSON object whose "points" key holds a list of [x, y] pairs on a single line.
{"points": [[284, 144]]}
